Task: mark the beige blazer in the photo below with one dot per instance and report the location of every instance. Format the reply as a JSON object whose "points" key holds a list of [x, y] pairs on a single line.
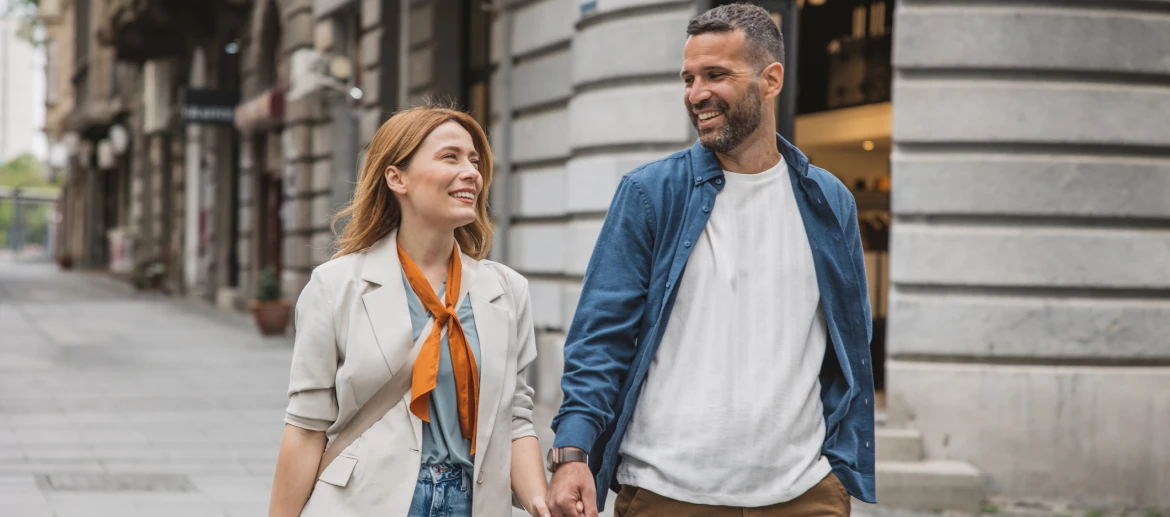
{"points": [[353, 332]]}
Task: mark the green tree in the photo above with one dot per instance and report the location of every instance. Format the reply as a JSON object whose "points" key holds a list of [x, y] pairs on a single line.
{"points": [[24, 170], [26, 11]]}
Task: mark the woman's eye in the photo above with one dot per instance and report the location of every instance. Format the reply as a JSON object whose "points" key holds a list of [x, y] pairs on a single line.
{"points": [[449, 157]]}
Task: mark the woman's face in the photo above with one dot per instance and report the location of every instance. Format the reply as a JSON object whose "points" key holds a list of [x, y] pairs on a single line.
{"points": [[442, 183]]}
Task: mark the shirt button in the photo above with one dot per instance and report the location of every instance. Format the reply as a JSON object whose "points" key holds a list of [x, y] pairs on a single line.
{"points": [[698, 178], [817, 200], [480, 478], [668, 285], [687, 244], [706, 209], [866, 446], [863, 362], [718, 182], [866, 402]]}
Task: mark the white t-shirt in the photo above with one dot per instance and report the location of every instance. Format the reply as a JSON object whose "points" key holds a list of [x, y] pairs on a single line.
{"points": [[730, 412]]}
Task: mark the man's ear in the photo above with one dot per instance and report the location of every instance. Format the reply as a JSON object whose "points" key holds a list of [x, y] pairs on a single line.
{"points": [[773, 80], [394, 180]]}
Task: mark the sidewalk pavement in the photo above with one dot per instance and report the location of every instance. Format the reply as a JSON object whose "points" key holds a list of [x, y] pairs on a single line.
{"points": [[120, 403]]}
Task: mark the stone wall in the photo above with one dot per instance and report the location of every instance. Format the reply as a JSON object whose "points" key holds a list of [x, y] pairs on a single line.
{"points": [[581, 120], [1029, 311]]}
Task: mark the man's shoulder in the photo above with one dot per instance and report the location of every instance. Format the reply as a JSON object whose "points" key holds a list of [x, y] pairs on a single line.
{"points": [[663, 171]]}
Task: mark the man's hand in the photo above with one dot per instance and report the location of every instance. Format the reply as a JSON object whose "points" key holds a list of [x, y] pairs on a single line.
{"points": [[572, 492]]}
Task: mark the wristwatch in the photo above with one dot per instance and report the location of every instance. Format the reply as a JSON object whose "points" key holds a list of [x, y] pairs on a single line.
{"points": [[558, 456]]}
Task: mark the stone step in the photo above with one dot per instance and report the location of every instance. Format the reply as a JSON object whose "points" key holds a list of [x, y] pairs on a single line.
{"points": [[899, 444], [929, 486]]}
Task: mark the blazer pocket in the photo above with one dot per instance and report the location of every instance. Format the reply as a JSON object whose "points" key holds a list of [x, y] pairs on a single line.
{"points": [[339, 472]]}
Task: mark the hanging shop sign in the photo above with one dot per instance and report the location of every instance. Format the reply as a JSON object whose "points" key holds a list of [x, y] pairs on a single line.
{"points": [[216, 107]]}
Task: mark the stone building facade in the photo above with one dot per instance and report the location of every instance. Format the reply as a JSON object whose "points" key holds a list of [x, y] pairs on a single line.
{"points": [[1008, 159], [1024, 281]]}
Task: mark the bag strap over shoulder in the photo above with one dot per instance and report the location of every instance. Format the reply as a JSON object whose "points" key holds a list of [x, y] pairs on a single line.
{"points": [[388, 396], [391, 393]]}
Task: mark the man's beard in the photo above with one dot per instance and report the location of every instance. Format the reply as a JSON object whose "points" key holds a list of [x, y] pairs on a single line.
{"points": [[740, 122]]}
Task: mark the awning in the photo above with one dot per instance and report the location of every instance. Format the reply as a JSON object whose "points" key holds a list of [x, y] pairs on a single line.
{"points": [[261, 112]]}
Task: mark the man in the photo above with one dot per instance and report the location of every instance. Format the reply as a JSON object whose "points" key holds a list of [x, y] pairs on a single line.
{"points": [[719, 357]]}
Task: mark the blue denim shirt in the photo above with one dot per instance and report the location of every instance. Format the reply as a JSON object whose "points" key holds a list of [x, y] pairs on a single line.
{"points": [[658, 211]]}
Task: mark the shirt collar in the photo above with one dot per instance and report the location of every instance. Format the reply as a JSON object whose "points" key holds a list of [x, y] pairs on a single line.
{"points": [[707, 168]]}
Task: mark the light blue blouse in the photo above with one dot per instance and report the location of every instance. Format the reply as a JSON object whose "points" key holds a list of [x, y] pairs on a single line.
{"points": [[443, 441]]}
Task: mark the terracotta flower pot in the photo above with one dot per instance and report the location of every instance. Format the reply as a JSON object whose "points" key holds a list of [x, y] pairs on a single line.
{"points": [[271, 317]]}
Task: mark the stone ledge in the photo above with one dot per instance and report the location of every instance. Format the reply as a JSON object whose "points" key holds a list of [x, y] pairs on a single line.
{"points": [[1050, 328], [1022, 256], [1067, 113], [1021, 38]]}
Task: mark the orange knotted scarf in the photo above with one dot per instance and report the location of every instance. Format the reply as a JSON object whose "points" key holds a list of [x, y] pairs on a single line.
{"points": [[426, 367]]}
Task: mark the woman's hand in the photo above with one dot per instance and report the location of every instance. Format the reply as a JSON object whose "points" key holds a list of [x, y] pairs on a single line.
{"points": [[528, 481], [537, 507]]}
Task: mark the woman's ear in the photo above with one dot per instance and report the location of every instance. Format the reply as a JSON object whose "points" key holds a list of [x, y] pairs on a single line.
{"points": [[394, 180]]}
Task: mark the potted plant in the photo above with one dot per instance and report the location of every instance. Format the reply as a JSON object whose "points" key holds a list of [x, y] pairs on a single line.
{"points": [[155, 272], [269, 309], [138, 278]]}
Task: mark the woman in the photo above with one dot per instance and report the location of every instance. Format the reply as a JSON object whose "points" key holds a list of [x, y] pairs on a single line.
{"points": [[410, 274]]}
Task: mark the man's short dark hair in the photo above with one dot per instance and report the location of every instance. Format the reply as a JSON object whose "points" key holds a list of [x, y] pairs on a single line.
{"points": [[764, 41]]}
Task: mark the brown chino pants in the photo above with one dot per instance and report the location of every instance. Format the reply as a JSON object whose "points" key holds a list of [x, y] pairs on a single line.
{"points": [[827, 499]]}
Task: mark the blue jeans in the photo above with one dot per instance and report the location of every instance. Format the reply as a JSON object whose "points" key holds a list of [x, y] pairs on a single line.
{"points": [[442, 491]]}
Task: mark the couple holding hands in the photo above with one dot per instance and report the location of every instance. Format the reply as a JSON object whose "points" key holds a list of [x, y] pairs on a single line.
{"points": [[718, 362]]}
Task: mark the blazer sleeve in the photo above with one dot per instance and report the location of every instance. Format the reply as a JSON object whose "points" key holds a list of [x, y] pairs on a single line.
{"points": [[526, 341], [312, 401]]}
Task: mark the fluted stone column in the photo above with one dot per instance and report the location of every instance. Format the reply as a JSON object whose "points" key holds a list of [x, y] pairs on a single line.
{"points": [[1029, 327], [594, 92]]}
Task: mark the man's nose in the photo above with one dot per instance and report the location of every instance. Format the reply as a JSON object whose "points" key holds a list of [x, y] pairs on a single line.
{"points": [[697, 94]]}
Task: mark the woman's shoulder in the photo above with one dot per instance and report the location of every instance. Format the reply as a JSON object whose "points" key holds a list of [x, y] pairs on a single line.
{"points": [[336, 275], [509, 278], [340, 267]]}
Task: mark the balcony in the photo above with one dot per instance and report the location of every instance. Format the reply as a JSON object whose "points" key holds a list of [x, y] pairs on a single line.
{"points": [[141, 30]]}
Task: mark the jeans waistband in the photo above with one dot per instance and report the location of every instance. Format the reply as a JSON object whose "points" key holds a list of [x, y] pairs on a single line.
{"points": [[442, 472]]}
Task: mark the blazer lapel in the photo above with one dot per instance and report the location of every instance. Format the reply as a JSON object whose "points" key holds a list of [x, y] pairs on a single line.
{"points": [[494, 326], [386, 306], [389, 314]]}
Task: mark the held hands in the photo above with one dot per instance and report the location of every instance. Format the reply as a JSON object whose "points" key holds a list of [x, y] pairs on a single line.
{"points": [[538, 508], [572, 492]]}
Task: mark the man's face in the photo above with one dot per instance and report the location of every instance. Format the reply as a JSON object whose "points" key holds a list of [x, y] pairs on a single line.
{"points": [[722, 90]]}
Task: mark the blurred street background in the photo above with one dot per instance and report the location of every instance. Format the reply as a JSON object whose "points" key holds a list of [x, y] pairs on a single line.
{"points": [[166, 166]]}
